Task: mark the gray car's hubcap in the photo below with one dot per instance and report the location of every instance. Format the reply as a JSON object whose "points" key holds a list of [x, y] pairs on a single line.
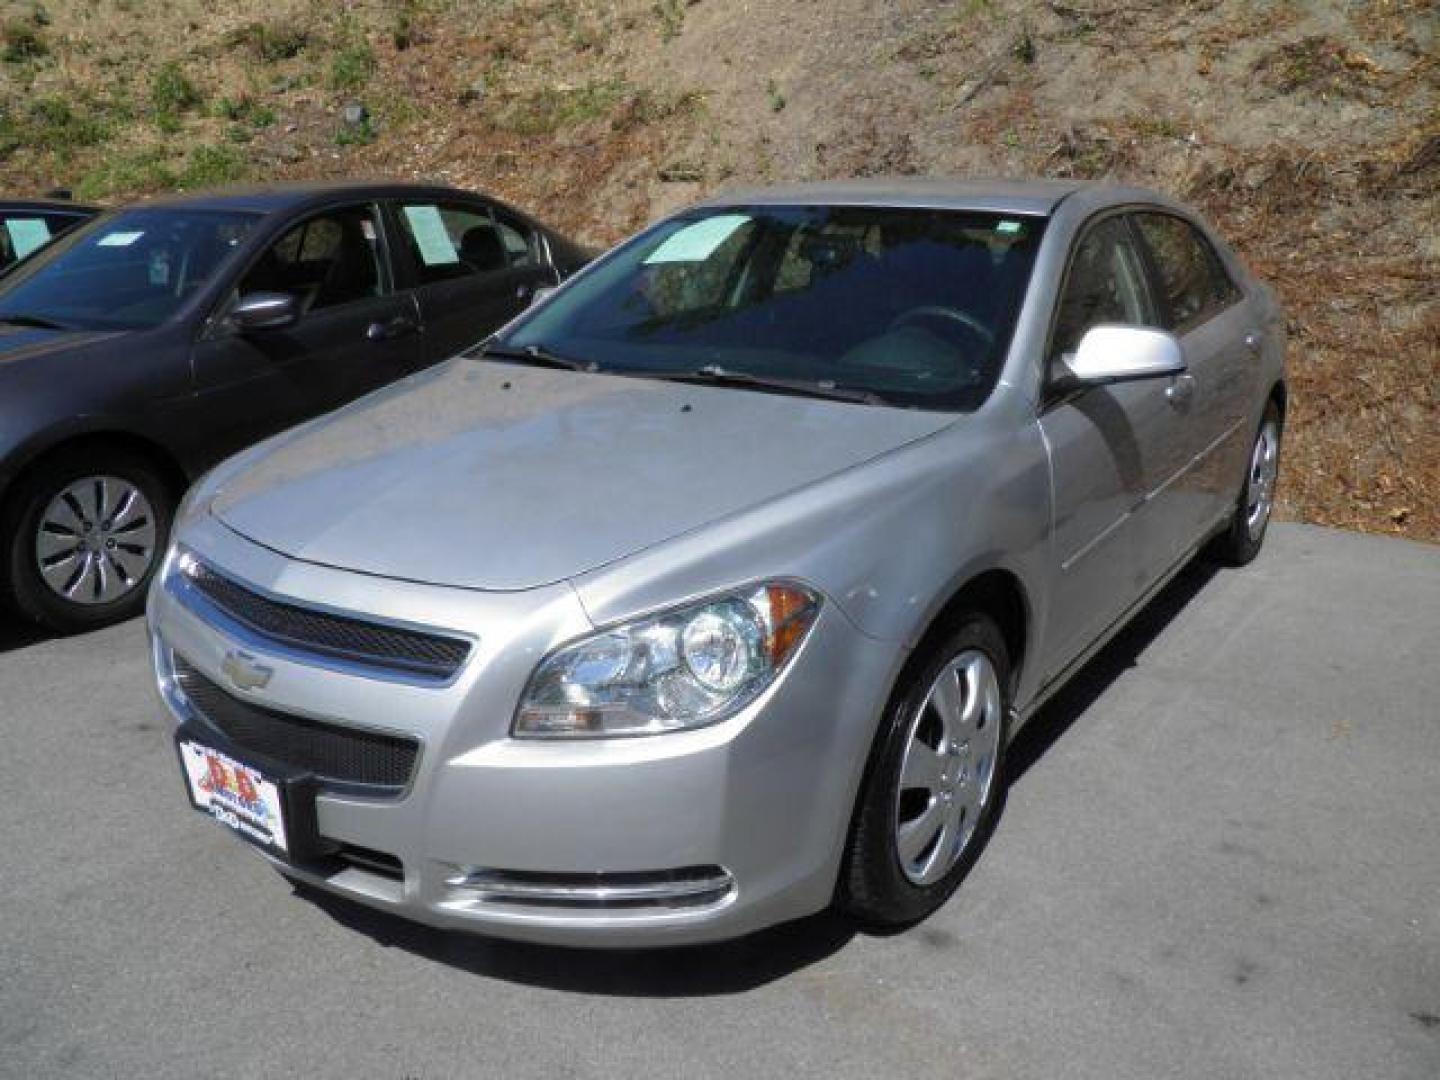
{"points": [[1260, 487], [96, 540], [948, 767]]}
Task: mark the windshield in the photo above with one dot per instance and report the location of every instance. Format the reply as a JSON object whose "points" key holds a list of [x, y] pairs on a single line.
{"points": [[912, 307], [129, 271]]}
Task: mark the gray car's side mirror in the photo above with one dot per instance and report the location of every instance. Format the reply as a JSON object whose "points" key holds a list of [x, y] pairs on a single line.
{"points": [[265, 311], [1110, 354]]}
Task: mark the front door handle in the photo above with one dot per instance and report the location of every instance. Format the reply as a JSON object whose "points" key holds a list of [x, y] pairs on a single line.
{"points": [[1253, 341], [1180, 391], [391, 329]]}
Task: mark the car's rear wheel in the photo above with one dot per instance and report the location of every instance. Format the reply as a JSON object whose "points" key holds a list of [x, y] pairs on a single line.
{"points": [[84, 537], [934, 781], [1241, 542]]}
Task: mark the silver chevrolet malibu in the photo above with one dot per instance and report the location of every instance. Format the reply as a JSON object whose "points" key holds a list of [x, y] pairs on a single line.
{"points": [[709, 592]]}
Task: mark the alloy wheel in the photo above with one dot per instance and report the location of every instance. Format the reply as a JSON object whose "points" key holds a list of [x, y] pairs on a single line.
{"points": [[1260, 486], [96, 540], [948, 767]]}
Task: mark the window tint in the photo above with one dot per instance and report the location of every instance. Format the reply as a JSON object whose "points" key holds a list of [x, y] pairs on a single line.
{"points": [[452, 241], [130, 270], [521, 244], [913, 305], [327, 260], [1106, 284], [1192, 282], [23, 233]]}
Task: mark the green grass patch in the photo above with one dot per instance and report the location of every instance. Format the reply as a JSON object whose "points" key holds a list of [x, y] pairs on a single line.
{"points": [[52, 123], [270, 43], [22, 40], [351, 67], [671, 14], [555, 108], [775, 96], [171, 95], [245, 110], [213, 166], [130, 173]]}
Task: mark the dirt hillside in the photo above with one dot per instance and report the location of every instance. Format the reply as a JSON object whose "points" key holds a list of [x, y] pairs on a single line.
{"points": [[1310, 131]]}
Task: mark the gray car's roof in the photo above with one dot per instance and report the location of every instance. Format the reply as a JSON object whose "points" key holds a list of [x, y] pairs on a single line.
{"points": [[1001, 196]]}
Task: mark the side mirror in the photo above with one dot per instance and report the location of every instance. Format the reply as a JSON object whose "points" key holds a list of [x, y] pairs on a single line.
{"points": [[1109, 354], [259, 311], [541, 294]]}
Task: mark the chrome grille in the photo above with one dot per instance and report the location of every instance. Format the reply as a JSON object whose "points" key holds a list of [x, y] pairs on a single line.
{"points": [[394, 648], [338, 756]]}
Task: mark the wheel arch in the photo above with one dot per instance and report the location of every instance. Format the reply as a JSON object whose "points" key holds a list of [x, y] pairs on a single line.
{"points": [[998, 593], [95, 441], [1280, 395]]}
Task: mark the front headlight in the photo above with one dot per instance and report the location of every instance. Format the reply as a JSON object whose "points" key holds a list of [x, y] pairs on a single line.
{"points": [[681, 669]]}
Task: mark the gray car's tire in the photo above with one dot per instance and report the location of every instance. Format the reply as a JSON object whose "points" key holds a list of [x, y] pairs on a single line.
{"points": [[145, 526], [883, 881], [1242, 539]]}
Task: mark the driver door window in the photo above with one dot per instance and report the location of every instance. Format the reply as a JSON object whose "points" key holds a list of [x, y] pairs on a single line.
{"points": [[1106, 284], [327, 260]]}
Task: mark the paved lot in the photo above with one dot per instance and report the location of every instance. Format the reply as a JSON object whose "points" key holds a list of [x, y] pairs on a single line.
{"points": [[1222, 859]]}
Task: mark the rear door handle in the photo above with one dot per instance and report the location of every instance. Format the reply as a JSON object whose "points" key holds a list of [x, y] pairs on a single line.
{"points": [[1181, 390], [390, 329]]}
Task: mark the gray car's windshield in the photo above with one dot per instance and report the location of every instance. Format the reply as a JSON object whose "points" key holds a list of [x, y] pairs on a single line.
{"points": [[129, 271], [906, 306]]}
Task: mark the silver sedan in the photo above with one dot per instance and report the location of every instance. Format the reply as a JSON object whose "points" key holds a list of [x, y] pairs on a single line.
{"points": [[710, 591]]}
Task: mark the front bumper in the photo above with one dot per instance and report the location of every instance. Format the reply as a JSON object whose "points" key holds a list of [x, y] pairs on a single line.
{"points": [[669, 839]]}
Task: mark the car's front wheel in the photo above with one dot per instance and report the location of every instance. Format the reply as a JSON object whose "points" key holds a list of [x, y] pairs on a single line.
{"points": [[83, 538], [934, 780]]}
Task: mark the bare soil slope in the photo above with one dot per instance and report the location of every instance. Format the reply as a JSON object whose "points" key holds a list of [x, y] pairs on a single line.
{"points": [[1309, 131]]}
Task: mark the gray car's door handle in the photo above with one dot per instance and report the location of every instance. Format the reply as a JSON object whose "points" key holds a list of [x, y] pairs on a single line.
{"points": [[1253, 341], [1181, 390], [390, 329]]}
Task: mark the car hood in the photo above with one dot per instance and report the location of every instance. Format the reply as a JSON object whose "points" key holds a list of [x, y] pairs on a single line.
{"points": [[493, 476]]}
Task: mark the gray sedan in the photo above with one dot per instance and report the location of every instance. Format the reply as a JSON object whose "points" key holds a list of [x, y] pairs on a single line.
{"points": [[710, 591]]}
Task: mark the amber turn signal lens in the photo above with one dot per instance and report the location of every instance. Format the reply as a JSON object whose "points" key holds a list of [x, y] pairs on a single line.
{"points": [[792, 610]]}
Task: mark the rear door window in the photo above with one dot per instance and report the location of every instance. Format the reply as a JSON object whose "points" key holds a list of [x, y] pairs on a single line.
{"points": [[1192, 281], [449, 240]]}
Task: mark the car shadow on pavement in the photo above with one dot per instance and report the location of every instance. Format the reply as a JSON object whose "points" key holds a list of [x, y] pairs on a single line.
{"points": [[736, 966], [16, 633], [1117, 657], [730, 967]]}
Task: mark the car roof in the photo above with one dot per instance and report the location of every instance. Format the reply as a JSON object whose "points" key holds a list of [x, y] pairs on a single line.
{"points": [[1038, 197], [64, 206], [268, 198]]}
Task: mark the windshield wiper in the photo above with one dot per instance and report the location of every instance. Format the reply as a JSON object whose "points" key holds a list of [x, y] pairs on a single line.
{"points": [[39, 322], [715, 375], [537, 357]]}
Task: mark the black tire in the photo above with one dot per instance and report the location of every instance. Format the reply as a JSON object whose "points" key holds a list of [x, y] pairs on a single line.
{"points": [[28, 592], [873, 888], [1239, 544]]}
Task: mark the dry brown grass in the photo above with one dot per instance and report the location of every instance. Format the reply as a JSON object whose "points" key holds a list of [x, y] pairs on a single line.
{"points": [[1309, 131]]}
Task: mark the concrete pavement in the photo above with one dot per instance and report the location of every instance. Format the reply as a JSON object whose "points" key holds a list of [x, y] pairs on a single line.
{"points": [[1220, 858]]}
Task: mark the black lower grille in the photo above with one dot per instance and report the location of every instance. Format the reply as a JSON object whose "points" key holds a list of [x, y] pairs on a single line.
{"points": [[380, 863], [336, 755], [378, 645]]}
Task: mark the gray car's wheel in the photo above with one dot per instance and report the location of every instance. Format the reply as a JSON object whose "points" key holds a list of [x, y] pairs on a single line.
{"points": [[83, 537], [934, 780], [1241, 541]]}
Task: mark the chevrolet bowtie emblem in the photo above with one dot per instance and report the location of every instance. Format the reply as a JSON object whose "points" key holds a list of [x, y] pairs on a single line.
{"points": [[244, 671]]}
